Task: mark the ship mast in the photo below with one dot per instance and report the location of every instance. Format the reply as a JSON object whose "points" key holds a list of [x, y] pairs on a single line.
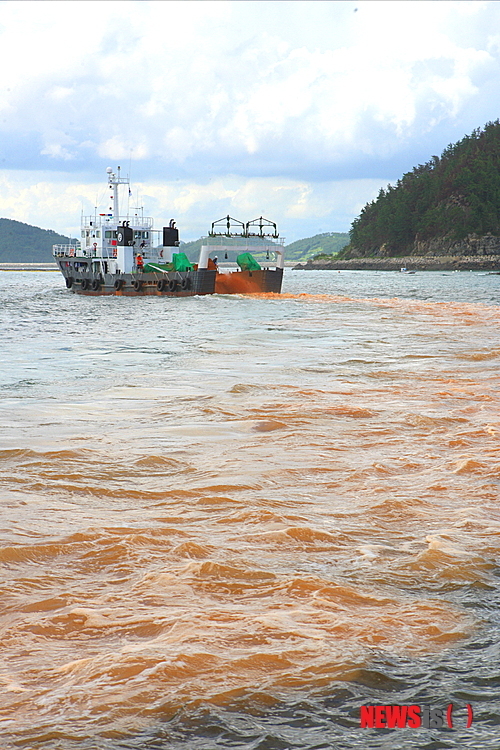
{"points": [[113, 181]]}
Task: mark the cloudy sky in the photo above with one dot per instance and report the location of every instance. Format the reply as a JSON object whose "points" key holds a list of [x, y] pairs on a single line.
{"points": [[298, 111]]}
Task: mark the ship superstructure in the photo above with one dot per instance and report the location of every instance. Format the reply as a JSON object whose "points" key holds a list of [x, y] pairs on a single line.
{"points": [[124, 254]]}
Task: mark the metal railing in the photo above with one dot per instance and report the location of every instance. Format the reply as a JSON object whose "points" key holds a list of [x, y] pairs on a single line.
{"points": [[104, 220], [76, 251], [66, 251], [253, 243]]}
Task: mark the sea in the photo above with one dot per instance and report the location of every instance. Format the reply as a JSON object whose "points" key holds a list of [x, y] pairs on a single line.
{"points": [[234, 521]]}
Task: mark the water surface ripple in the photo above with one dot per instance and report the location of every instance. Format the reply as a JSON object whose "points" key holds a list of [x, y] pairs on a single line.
{"points": [[229, 522]]}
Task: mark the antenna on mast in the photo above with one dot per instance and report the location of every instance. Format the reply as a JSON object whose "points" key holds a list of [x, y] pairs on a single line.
{"points": [[114, 181]]}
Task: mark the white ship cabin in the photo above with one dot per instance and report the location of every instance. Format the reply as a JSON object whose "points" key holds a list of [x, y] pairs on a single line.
{"points": [[112, 243], [102, 238]]}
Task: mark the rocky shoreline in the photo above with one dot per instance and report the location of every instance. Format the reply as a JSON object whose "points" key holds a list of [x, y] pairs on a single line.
{"points": [[411, 263]]}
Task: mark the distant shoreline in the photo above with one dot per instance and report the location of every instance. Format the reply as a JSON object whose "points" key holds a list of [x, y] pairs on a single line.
{"points": [[410, 263], [28, 267]]}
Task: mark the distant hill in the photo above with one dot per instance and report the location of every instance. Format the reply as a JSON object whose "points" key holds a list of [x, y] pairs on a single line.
{"points": [[446, 205], [328, 243], [23, 243], [192, 249]]}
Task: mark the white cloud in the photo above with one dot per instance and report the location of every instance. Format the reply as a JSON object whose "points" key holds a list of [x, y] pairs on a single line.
{"points": [[56, 151], [291, 91], [118, 149], [172, 67]]}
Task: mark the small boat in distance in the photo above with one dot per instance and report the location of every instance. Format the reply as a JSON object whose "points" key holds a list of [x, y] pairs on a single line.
{"points": [[125, 256]]}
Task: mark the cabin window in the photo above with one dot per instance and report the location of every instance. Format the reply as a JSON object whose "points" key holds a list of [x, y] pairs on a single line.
{"points": [[108, 234], [83, 232], [98, 233]]}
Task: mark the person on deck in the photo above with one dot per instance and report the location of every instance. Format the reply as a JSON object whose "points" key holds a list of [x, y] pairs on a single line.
{"points": [[139, 262]]}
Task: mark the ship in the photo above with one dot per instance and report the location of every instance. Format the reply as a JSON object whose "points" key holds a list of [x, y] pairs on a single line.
{"points": [[125, 255]]}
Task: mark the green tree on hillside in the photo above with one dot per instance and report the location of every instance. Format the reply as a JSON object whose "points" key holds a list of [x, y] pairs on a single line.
{"points": [[23, 243], [451, 196]]}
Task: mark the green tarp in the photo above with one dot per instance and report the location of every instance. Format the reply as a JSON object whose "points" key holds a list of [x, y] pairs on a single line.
{"points": [[247, 262], [180, 262]]}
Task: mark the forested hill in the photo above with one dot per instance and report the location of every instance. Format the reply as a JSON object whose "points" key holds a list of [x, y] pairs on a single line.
{"points": [[328, 243], [438, 204], [22, 243]]}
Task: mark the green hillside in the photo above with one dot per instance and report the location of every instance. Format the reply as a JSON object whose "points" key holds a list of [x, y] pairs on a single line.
{"points": [[328, 243], [22, 243], [451, 196]]}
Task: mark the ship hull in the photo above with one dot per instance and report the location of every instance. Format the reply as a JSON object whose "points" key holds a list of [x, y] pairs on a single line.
{"points": [[249, 282], [172, 284]]}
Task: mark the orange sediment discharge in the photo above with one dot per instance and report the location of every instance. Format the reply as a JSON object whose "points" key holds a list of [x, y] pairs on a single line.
{"points": [[487, 312], [272, 535], [238, 283]]}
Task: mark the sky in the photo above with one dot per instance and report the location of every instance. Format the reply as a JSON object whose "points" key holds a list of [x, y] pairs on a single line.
{"points": [[296, 111]]}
